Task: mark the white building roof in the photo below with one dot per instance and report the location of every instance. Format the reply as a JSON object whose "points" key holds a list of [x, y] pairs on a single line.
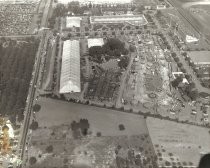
{"points": [[70, 69], [96, 1], [132, 19], [191, 39], [73, 22], [95, 42]]}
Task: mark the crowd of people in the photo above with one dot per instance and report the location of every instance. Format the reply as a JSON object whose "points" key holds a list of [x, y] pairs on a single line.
{"points": [[15, 19]]}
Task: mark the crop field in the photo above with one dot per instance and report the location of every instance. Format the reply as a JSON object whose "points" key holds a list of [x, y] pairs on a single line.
{"points": [[105, 144], [104, 85], [178, 144], [16, 65], [202, 14]]}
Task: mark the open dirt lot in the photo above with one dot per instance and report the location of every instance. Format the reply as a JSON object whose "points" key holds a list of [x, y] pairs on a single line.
{"points": [[113, 147], [180, 144], [55, 113]]}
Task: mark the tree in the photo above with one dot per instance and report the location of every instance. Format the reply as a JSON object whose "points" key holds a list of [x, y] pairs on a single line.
{"points": [[167, 163], [133, 8], [125, 52], [173, 54], [176, 59], [192, 64], [132, 48], [175, 83], [168, 47], [184, 54], [183, 70], [49, 149], [187, 76], [123, 63], [180, 64], [32, 160], [193, 94], [34, 125], [36, 108], [84, 126], [95, 50], [121, 127], [140, 9], [113, 44], [117, 53], [98, 134], [187, 59], [90, 5]]}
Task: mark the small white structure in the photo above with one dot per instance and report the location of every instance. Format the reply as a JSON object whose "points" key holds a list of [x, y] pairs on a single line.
{"points": [[176, 74], [95, 42], [73, 22], [70, 69], [191, 39], [160, 7]]}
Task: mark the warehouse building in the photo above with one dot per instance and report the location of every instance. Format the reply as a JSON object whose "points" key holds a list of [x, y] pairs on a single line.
{"points": [[70, 68]]}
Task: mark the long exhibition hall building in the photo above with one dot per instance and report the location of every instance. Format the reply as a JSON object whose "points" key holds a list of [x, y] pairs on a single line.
{"points": [[70, 68]]}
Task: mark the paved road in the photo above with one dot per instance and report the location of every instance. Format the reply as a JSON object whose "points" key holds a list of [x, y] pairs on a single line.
{"points": [[32, 90], [123, 81], [35, 81]]}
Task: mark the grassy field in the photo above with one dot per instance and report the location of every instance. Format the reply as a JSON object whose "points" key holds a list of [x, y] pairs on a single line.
{"points": [[202, 15], [112, 148], [179, 144]]}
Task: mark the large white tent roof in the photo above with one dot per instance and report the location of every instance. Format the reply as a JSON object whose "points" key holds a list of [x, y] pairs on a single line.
{"points": [[70, 69], [95, 42], [73, 22]]}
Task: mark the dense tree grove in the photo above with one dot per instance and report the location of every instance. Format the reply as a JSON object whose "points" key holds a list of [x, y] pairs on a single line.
{"points": [[113, 48], [16, 65]]}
